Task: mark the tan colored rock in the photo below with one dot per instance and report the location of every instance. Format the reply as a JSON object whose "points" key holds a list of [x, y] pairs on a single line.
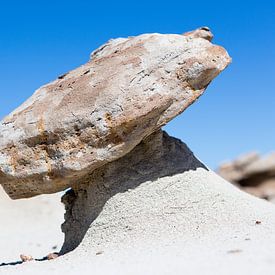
{"points": [[203, 32], [252, 173], [52, 256], [234, 171], [100, 111], [26, 258]]}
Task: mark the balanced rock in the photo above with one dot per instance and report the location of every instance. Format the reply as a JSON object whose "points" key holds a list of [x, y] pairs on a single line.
{"points": [[100, 111]]}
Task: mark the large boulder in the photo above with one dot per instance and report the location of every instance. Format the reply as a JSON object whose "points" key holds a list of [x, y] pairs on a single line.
{"points": [[100, 111]]}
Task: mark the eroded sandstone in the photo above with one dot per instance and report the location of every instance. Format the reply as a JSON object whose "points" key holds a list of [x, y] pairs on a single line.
{"points": [[100, 111]]}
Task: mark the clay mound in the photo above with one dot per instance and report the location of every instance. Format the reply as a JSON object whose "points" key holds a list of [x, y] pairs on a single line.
{"points": [[185, 222]]}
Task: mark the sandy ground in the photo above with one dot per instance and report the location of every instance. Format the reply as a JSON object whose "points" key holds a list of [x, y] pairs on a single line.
{"points": [[29, 226], [192, 223]]}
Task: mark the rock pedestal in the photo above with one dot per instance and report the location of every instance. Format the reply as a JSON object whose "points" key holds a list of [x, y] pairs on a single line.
{"points": [[156, 157]]}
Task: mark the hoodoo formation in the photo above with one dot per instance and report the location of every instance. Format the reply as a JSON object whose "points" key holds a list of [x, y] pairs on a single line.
{"points": [[139, 201]]}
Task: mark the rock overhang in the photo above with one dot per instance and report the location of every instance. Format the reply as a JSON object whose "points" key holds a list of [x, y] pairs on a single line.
{"points": [[100, 111]]}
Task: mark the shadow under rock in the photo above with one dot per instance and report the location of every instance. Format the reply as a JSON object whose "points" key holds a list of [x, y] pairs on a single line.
{"points": [[159, 155], [11, 263], [22, 262]]}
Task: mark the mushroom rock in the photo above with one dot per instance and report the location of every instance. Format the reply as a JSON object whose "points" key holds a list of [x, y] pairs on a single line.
{"points": [[140, 201], [102, 110]]}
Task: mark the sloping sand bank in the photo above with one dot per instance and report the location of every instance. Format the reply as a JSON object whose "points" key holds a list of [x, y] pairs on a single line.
{"points": [[189, 223]]}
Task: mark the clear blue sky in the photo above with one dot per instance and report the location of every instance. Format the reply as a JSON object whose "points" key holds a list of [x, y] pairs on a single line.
{"points": [[40, 40]]}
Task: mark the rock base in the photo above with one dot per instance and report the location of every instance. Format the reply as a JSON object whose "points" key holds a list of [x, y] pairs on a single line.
{"points": [[159, 155], [159, 210]]}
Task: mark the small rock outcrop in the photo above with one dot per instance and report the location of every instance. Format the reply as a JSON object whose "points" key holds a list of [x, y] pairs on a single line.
{"points": [[252, 173], [102, 110]]}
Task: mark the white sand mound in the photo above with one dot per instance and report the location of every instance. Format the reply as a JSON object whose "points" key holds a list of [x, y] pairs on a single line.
{"points": [[193, 222]]}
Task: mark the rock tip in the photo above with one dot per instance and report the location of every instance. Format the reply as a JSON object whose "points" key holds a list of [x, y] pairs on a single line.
{"points": [[202, 32]]}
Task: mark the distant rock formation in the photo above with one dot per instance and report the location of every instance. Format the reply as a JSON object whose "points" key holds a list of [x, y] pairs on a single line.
{"points": [[100, 111], [252, 173]]}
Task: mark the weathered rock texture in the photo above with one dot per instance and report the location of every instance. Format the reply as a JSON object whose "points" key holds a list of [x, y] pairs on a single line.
{"points": [[252, 173], [100, 111], [155, 157]]}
